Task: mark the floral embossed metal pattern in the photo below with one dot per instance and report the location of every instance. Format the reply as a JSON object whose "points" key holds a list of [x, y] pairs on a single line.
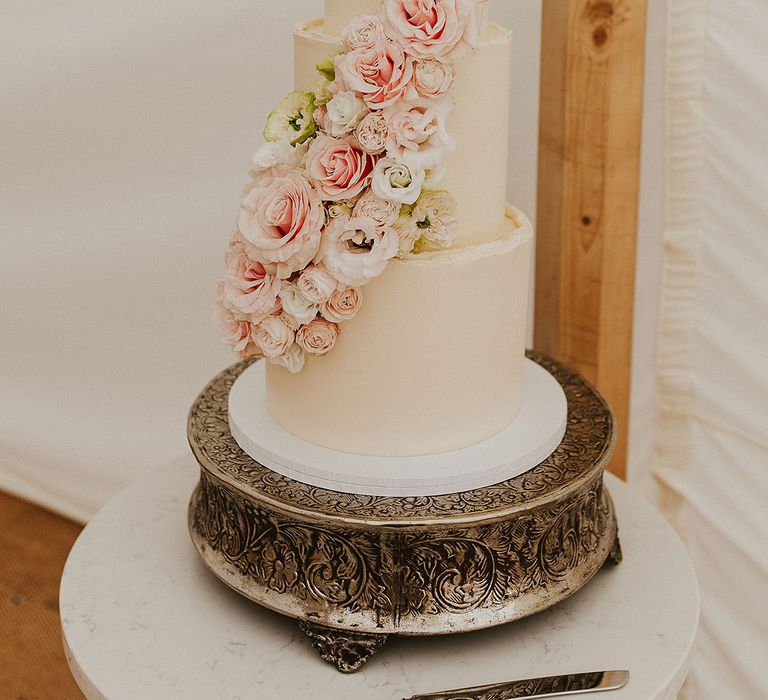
{"points": [[585, 450], [399, 574]]}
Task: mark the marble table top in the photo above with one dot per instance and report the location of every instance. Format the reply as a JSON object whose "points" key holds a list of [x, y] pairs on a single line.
{"points": [[143, 618]]}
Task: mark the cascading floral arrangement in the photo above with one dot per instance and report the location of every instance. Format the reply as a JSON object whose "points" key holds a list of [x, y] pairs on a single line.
{"points": [[346, 181]]}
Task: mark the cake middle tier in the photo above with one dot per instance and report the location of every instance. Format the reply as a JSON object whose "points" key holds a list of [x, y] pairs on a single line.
{"points": [[477, 170], [433, 361]]}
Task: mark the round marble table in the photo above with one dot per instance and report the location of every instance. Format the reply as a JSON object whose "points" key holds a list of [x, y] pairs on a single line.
{"points": [[143, 618]]}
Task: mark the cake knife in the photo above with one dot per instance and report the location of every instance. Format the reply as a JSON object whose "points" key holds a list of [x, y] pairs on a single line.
{"points": [[549, 687]]}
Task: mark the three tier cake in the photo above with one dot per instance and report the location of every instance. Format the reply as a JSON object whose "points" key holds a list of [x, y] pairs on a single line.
{"points": [[376, 262]]}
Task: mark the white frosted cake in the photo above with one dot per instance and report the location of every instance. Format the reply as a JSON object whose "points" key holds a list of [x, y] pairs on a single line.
{"points": [[376, 262]]}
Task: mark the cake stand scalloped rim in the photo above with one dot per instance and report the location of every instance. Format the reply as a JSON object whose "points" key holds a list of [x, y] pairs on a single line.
{"points": [[578, 393]]}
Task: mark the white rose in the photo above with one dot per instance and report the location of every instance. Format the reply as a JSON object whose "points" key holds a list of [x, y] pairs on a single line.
{"points": [[418, 132], [433, 77], [344, 113], [293, 360], [274, 153], [343, 305], [295, 304], [273, 336], [316, 284], [382, 211], [355, 251], [397, 182], [364, 32], [317, 337]]}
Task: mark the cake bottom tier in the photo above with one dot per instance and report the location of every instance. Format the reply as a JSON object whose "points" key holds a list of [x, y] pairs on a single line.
{"points": [[433, 361]]}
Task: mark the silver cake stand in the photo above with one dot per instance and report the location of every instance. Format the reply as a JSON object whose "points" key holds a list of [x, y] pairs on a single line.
{"points": [[354, 570]]}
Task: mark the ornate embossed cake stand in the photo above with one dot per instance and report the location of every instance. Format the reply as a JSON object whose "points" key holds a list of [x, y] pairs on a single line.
{"points": [[356, 569]]}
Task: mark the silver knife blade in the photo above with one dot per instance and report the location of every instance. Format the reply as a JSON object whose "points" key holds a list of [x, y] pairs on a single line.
{"points": [[549, 687]]}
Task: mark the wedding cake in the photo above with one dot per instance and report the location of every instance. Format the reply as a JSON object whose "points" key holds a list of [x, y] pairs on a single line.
{"points": [[376, 264]]}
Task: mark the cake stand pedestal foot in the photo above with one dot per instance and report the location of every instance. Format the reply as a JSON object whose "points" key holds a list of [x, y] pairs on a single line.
{"points": [[616, 556], [348, 651]]}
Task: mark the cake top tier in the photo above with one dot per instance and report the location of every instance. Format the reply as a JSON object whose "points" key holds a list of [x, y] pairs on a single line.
{"points": [[338, 13]]}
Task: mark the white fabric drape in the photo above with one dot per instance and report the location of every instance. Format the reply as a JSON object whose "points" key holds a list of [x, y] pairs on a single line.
{"points": [[712, 439], [125, 135]]}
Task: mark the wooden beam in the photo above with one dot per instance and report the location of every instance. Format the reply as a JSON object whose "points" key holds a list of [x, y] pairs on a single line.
{"points": [[589, 170]]}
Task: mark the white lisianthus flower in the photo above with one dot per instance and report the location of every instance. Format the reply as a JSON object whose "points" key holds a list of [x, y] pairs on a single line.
{"points": [[293, 360], [344, 112], [433, 76], [418, 132], [383, 212], [293, 119], [273, 336], [363, 32], [274, 153], [355, 250], [434, 215], [397, 182], [408, 233], [296, 305], [434, 176], [316, 284]]}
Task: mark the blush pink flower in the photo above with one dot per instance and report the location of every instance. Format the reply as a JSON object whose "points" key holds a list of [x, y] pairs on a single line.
{"points": [[343, 305], [273, 336], [249, 289], [318, 337], [339, 167], [281, 219], [382, 74], [432, 27], [236, 332]]}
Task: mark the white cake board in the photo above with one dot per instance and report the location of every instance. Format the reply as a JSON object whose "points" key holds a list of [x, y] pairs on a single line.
{"points": [[531, 438]]}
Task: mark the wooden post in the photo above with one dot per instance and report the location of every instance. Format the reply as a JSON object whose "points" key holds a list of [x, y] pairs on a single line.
{"points": [[589, 170]]}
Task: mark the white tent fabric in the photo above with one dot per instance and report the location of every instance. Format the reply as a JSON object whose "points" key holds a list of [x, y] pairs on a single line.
{"points": [[712, 448]]}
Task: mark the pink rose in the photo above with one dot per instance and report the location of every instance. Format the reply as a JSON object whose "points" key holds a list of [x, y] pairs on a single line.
{"points": [[343, 305], [273, 336], [281, 219], [235, 332], [318, 337], [432, 27], [339, 167], [249, 289], [381, 74]]}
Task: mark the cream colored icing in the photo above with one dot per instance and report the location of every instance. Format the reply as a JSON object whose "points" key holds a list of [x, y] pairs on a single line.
{"points": [[432, 362], [477, 170]]}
